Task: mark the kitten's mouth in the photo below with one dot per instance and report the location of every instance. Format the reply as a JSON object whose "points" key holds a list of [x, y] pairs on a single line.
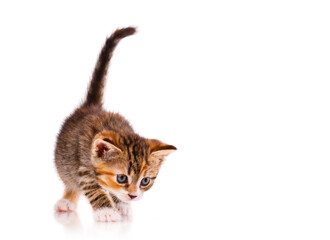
{"points": [[121, 197], [132, 196]]}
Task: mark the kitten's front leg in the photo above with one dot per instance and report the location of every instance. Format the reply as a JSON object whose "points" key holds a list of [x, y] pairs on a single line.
{"points": [[107, 215], [125, 209], [103, 205]]}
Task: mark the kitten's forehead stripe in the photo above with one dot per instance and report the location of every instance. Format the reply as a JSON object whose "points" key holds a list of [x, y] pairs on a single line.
{"points": [[136, 163], [129, 168], [136, 155], [134, 158], [127, 147]]}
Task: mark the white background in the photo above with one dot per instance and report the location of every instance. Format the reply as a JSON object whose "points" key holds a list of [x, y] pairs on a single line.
{"points": [[240, 87]]}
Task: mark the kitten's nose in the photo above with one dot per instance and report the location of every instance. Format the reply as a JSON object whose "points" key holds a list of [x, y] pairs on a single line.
{"points": [[132, 196]]}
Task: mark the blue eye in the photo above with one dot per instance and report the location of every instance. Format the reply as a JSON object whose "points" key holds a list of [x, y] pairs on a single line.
{"points": [[145, 181], [121, 178]]}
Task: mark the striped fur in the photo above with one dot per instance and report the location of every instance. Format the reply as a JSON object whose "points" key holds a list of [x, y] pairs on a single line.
{"points": [[94, 146]]}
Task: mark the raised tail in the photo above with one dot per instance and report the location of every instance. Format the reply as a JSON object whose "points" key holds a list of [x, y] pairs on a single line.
{"points": [[96, 87]]}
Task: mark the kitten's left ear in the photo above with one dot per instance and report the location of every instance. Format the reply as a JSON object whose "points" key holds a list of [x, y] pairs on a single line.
{"points": [[105, 142], [101, 146], [159, 149]]}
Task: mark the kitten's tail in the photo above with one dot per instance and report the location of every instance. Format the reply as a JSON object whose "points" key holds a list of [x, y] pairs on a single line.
{"points": [[95, 90]]}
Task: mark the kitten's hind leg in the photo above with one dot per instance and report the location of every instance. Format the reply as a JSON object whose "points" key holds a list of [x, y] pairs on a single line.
{"points": [[69, 201]]}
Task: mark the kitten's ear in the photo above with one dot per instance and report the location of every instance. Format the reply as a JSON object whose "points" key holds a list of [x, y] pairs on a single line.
{"points": [[101, 146], [159, 149], [104, 143]]}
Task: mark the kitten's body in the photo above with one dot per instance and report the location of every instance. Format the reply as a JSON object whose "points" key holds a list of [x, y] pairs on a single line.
{"points": [[96, 150], [75, 140]]}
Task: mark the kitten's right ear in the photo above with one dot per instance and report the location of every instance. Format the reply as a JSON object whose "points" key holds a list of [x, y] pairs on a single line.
{"points": [[102, 146], [160, 150]]}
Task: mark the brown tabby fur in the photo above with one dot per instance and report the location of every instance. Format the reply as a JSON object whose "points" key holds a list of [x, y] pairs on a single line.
{"points": [[94, 146]]}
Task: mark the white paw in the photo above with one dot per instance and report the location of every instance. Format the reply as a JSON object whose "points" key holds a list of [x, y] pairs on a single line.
{"points": [[64, 205], [124, 209], [107, 215], [66, 218]]}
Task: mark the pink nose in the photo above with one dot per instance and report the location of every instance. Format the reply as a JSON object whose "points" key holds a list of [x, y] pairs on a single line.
{"points": [[132, 196]]}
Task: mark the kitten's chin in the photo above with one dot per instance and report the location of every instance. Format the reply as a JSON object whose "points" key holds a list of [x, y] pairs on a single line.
{"points": [[125, 200]]}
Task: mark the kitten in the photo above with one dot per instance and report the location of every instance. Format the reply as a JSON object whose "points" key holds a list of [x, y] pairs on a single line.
{"points": [[98, 154]]}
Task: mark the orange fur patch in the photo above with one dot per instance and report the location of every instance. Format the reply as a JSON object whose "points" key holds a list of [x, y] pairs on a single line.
{"points": [[107, 181], [71, 196]]}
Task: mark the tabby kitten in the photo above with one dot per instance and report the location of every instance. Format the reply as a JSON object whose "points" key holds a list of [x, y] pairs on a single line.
{"points": [[99, 155]]}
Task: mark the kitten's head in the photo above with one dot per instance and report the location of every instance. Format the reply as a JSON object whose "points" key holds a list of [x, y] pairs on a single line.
{"points": [[127, 166]]}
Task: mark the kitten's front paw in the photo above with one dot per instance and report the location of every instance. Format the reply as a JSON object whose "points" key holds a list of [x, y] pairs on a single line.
{"points": [[64, 205], [124, 209], [107, 215]]}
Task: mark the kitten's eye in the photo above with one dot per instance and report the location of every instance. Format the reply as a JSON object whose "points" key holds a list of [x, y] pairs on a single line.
{"points": [[145, 181], [121, 178]]}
